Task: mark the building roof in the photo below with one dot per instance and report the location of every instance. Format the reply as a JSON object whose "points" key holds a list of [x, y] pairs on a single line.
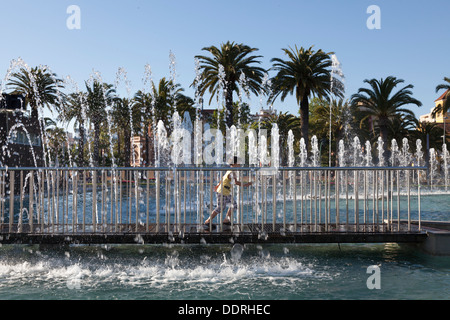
{"points": [[442, 97], [208, 111]]}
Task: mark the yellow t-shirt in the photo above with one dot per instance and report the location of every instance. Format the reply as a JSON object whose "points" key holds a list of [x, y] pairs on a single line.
{"points": [[225, 186]]}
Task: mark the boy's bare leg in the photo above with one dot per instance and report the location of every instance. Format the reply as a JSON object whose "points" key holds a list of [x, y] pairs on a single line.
{"points": [[228, 216], [213, 215]]}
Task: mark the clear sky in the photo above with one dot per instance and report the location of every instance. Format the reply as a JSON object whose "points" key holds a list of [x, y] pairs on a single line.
{"points": [[412, 44]]}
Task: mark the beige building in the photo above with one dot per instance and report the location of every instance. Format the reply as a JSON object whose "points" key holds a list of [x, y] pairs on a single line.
{"points": [[440, 116]]}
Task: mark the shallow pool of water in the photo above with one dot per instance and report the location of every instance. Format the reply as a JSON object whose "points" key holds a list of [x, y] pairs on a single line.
{"points": [[221, 272]]}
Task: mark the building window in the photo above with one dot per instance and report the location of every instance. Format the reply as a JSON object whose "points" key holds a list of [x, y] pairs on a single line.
{"points": [[20, 137]]}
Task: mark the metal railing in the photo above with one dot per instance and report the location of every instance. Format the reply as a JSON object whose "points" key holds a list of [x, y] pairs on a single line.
{"points": [[179, 199]]}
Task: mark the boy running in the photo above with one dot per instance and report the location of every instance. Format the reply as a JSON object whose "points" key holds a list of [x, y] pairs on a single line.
{"points": [[224, 198]]}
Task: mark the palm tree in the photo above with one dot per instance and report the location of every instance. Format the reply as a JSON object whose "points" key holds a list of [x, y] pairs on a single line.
{"points": [[123, 121], [401, 126], [57, 143], [168, 97], [285, 122], [430, 135], [74, 110], [40, 88], [235, 59], [241, 114], [382, 104], [444, 107], [341, 118], [159, 104], [98, 97], [307, 72], [143, 101]]}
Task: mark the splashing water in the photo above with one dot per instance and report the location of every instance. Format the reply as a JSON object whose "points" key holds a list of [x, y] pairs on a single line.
{"points": [[275, 138], [341, 154], [291, 157], [315, 152], [303, 153], [380, 148], [368, 156]]}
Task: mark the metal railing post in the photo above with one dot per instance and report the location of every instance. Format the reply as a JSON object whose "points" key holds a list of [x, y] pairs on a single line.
{"points": [[11, 199], [356, 193], [336, 188], [274, 203], [94, 201], [418, 201], [409, 200], [158, 194], [31, 201], [74, 201], [19, 222], [398, 199], [294, 198]]}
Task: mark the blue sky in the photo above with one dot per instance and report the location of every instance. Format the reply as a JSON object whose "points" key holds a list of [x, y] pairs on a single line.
{"points": [[412, 44]]}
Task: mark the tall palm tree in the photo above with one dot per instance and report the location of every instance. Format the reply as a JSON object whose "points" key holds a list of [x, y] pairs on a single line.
{"points": [[159, 104], [98, 97], [126, 121], [341, 119], [74, 110], [430, 135], [285, 122], [40, 88], [235, 59], [444, 107], [168, 97], [241, 114], [401, 126], [307, 72], [57, 143], [383, 104], [143, 101]]}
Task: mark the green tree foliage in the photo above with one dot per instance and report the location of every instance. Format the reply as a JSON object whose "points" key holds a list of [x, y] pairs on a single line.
{"points": [[381, 104], [40, 88], [235, 59], [304, 74]]}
